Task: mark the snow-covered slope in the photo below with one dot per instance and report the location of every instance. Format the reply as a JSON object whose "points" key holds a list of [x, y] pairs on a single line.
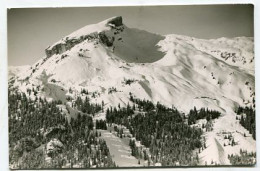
{"points": [[173, 69], [16, 70]]}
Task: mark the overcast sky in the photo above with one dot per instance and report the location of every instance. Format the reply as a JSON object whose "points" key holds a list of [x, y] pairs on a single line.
{"points": [[30, 31]]}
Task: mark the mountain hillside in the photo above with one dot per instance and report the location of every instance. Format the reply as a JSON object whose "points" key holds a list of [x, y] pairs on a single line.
{"points": [[16, 70], [112, 61]]}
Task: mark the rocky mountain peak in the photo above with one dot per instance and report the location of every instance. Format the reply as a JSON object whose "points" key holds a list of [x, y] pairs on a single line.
{"points": [[116, 21], [88, 32]]}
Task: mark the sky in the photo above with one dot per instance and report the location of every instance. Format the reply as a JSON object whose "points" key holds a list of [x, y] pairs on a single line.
{"points": [[32, 30]]}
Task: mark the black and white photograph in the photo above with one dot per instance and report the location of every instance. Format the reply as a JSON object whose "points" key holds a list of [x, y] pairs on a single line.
{"points": [[131, 87]]}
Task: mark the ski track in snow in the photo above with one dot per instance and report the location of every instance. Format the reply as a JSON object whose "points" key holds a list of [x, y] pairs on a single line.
{"points": [[221, 153]]}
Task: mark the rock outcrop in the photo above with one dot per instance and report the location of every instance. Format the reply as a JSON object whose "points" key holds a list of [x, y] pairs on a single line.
{"points": [[116, 21], [68, 42], [105, 39]]}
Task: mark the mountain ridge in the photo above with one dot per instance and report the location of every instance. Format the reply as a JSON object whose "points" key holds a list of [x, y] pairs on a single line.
{"points": [[133, 46]]}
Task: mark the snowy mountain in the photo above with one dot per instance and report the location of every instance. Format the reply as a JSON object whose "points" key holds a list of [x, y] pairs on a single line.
{"points": [[13, 71], [111, 60]]}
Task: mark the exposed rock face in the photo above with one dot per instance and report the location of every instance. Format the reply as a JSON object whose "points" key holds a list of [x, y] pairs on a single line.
{"points": [[117, 21], [68, 44], [105, 39]]}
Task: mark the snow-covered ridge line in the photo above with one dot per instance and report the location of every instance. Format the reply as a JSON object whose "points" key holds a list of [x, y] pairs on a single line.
{"points": [[237, 51], [88, 32]]}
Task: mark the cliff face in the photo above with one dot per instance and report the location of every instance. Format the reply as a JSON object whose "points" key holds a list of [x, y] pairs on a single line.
{"points": [[59, 48], [70, 41], [117, 21]]}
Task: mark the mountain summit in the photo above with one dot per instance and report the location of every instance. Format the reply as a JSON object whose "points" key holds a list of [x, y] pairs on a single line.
{"points": [[88, 32]]}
